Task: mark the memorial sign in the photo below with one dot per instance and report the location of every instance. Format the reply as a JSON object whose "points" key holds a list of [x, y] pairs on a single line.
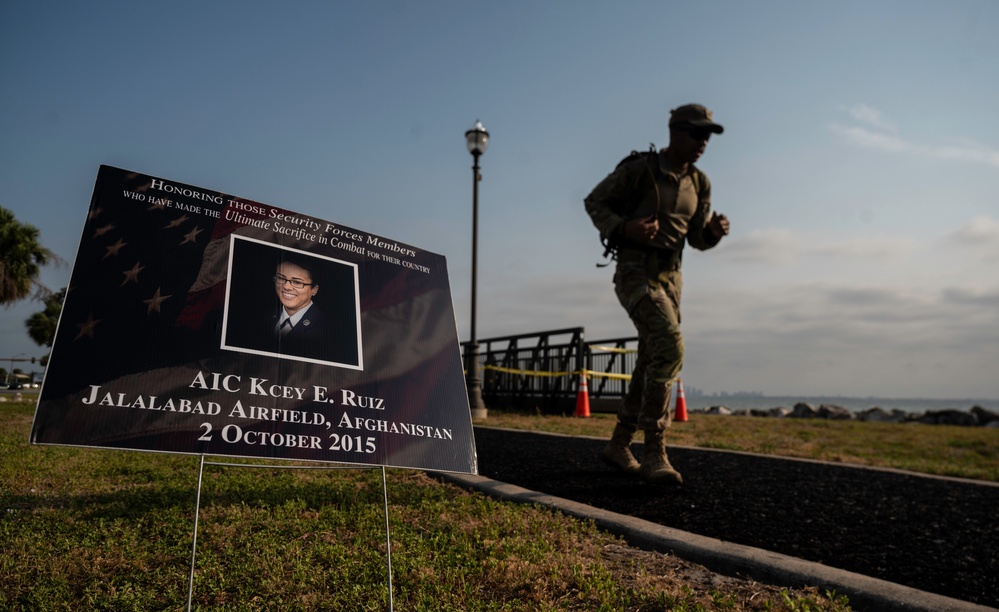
{"points": [[203, 323]]}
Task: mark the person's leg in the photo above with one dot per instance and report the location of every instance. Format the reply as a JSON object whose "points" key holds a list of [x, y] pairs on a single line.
{"points": [[658, 320], [663, 359], [630, 286], [617, 453]]}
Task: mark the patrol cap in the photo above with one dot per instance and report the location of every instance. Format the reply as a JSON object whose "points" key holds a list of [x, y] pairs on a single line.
{"points": [[693, 115]]}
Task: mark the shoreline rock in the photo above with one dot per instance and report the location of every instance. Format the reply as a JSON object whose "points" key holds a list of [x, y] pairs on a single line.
{"points": [[976, 417]]}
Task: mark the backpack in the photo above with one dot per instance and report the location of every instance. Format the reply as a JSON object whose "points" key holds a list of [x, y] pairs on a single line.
{"points": [[612, 244]]}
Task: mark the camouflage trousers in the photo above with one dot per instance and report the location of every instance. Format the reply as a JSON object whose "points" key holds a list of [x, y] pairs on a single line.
{"points": [[648, 287]]}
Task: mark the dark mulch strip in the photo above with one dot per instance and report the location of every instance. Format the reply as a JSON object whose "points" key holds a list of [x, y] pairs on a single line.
{"points": [[935, 535]]}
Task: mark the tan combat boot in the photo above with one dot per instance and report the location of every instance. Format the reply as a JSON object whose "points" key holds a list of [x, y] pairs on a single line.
{"points": [[655, 466], [617, 453]]}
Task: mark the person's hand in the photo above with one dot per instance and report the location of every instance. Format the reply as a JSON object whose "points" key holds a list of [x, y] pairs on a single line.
{"points": [[718, 225], [642, 229]]}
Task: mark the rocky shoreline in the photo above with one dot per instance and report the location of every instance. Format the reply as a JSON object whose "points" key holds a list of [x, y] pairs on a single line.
{"points": [[976, 417]]}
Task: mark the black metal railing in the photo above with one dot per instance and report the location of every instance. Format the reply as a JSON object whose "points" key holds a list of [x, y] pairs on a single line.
{"points": [[540, 372], [611, 363]]}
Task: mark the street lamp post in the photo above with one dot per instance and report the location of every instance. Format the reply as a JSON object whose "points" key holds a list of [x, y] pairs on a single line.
{"points": [[10, 374], [477, 139]]}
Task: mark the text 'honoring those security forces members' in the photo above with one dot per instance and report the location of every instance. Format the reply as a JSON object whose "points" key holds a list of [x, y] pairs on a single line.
{"points": [[262, 216], [348, 430]]}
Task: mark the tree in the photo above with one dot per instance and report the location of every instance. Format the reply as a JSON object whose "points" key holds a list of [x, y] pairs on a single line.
{"points": [[21, 258], [42, 325]]}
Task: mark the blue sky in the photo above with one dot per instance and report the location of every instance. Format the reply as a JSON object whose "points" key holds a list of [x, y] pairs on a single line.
{"points": [[859, 166]]}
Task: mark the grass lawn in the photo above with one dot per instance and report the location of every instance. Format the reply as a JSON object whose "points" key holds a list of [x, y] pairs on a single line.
{"points": [[947, 450], [111, 530]]}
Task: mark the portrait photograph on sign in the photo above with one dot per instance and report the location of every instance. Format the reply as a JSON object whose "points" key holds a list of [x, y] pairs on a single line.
{"points": [[199, 322], [290, 304]]}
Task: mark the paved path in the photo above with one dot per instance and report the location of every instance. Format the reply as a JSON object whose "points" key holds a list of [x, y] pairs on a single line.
{"points": [[888, 539]]}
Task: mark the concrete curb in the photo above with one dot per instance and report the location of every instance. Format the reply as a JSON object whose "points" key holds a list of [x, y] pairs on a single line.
{"points": [[730, 559]]}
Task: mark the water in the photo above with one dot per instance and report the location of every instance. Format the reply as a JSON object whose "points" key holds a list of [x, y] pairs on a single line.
{"points": [[854, 404]]}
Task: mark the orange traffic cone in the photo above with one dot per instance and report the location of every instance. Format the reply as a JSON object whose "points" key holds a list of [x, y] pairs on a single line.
{"points": [[681, 403], [583, 397]]}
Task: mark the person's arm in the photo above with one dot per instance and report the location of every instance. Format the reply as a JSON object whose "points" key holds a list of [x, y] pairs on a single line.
{"points": [[718, 226], [607, 198], [707, 227]]}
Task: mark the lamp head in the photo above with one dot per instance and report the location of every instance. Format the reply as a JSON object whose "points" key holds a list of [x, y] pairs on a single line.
{"points": [[477, 139]]}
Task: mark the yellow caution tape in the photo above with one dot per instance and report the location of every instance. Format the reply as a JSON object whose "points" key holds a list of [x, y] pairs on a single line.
{"points": [[526, 372], [588, 373], [607, 375], [612, 349]]}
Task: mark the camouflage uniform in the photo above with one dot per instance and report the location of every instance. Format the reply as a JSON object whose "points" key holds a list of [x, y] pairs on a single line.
{"points": [[648, 281]]}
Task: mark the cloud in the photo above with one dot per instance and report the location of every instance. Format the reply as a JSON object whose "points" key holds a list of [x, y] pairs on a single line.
{"points": [[866, 138], [844, 337], [981, 234], [973, 299], [863, 247], [869, 115], [980, 230], [883, 138], [534, 303], [784, 246], [770, 245]]}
